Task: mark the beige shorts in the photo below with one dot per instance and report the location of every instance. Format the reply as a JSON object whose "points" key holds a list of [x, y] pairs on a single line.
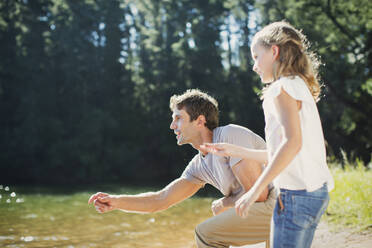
{"points": [[228, 228]]}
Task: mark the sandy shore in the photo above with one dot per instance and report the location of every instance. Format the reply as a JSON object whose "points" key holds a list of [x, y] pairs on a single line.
{"points": [[325, 238]]}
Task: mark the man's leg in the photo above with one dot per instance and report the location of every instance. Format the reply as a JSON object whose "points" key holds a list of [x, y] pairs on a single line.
{"points": [[228, 228]]}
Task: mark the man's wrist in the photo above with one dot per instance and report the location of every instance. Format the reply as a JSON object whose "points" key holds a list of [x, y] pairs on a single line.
{"points": [[226, 201], [114, 202]]}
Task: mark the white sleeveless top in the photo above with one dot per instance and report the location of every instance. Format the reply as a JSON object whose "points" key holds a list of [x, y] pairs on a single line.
{"points": [[308, 170]]}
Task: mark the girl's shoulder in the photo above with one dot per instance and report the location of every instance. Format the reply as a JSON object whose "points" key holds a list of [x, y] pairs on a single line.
{"points": [[295, 86]]}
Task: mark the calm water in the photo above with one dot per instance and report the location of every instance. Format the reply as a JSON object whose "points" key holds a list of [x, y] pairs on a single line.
{"points": [[65, 220]]}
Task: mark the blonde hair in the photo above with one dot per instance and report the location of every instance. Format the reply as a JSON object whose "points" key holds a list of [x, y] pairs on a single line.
{"points": [[295, 58], [197, 103]]}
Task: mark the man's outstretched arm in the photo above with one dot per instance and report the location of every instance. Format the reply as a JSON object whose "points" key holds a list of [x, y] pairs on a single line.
{"points": [[150, 202]]}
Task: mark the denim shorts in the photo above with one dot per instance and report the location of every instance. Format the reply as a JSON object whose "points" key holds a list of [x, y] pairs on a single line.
{"points": [[297, 216]]}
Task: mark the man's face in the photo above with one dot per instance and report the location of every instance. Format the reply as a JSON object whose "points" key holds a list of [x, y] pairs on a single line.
{"points": [[183, 128]]}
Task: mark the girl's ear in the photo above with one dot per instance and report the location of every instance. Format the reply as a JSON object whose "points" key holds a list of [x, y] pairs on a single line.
{"points": [[275, 52]]}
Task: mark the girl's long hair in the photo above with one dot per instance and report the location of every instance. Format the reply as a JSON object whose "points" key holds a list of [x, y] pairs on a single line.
{"points": [[295, 57]]}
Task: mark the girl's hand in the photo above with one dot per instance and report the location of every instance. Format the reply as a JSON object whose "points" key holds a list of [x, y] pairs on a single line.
{"points": [[244, 203], [220, 149]]}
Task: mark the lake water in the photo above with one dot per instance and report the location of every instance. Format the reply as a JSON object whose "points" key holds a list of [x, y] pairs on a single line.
{"points": [[60, 219], [43, 217]]}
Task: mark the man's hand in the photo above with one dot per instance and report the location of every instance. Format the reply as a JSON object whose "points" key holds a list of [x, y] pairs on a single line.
{"points": [[104, 202], [218, 206]]}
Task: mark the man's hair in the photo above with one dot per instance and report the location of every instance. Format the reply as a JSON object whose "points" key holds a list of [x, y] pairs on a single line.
{"points": [[196, 103]]}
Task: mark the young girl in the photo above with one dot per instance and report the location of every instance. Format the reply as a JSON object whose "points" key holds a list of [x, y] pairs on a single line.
{"points": [[295, 155]]}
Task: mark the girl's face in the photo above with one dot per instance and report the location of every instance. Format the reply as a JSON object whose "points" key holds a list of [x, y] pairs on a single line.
{"points": [[264, 59]]}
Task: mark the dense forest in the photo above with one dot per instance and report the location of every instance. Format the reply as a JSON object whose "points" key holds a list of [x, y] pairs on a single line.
{"points": [[85, 85]]}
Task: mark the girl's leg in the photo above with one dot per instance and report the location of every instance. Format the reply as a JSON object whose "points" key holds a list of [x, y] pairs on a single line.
{"points": [[309, 235], [295, 224]]}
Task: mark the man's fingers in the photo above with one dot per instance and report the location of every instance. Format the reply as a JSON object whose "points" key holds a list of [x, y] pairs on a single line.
{"points": [[105, 199], [92, 198], [99, 209], [102, 207], [96, 196]]}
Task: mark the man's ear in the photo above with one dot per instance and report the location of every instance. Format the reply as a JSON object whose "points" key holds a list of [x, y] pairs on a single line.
{"points": [[201, 120]]}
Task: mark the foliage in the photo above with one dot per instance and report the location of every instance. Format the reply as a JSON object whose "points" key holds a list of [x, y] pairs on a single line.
{"points": [[351, 203], [340, 32], [85, 85]]}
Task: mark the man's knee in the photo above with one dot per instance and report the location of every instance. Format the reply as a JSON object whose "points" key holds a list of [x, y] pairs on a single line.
{"points": [[202, 231], [203, 234]]}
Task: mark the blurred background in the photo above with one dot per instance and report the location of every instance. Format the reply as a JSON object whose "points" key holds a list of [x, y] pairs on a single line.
{"points": [[85, 85]]}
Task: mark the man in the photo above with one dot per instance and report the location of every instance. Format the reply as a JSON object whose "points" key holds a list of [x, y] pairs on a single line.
{"points": [[195, 122]]}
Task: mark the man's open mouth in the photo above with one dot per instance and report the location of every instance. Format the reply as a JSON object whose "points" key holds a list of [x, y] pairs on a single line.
{"points": [[178, 134]]}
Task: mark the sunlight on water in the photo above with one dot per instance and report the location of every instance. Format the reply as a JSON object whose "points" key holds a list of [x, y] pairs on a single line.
{"points": [[60, 220]]}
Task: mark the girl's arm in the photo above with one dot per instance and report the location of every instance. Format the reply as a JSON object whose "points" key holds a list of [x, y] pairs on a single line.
{"points": [[230, 150], [287, 108]]}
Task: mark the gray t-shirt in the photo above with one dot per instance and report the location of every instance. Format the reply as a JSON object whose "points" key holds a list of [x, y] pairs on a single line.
{"points": [[216, 170]]}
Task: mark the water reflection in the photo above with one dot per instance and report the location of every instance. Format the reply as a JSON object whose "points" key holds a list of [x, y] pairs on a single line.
{"points": [[30, 216], [67, 221], [27, 239], [9, 197], [6, 237]]}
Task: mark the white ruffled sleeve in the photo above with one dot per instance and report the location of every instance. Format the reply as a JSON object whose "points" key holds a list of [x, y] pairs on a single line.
{"points": [[295, 87]]}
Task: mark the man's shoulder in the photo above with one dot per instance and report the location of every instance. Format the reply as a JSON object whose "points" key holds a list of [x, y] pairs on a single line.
{"points": [[235, 132], [195, 159], [231, 129]]}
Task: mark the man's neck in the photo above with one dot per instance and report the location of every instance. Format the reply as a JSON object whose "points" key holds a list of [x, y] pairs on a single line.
{"points": [[205, 137]]}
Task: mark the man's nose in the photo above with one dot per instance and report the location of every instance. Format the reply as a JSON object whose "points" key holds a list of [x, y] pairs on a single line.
{"points": [[172, 125]]}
